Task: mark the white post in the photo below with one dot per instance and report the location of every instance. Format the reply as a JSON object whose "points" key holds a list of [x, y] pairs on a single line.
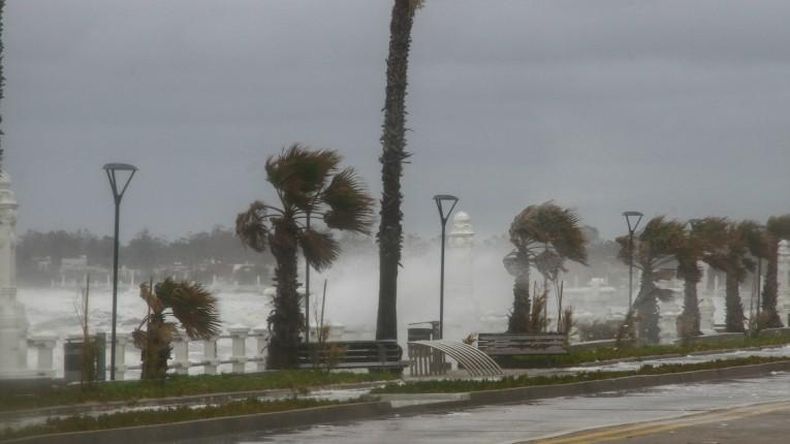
{"points": [[120, 355], [705, 297], [783, 293], [261, 344], [239, 356], [180, 355], [45, 347], [210, 360]]}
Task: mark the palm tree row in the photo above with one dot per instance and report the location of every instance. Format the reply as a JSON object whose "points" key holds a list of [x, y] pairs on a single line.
{"points": [[727, 246]]}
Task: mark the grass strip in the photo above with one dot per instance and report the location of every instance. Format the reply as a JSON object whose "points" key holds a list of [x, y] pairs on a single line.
{"points": [[163, 415], [17, 398], [613, 353], [460, 386]]}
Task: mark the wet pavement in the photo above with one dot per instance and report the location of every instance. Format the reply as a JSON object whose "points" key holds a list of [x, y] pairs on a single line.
{"points": [[540, 419]]}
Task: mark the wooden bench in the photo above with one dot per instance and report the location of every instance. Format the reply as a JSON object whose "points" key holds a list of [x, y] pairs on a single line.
{"points": [[371, 355], [508, 344]]}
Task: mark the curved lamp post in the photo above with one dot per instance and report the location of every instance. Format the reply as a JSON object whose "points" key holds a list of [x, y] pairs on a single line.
{"points": [[442, 202], [116, 173], [632, 218]]}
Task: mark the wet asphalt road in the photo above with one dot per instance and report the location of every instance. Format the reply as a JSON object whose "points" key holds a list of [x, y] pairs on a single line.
{"points": [[544, 418]]}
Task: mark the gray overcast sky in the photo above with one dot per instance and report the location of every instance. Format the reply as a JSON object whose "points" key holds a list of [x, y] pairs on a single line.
{"points": [[677, 107]]}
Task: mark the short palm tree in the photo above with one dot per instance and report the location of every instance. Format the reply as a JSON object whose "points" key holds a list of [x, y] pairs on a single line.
{"points": [[173, 304], [731, 248], [777, 228], [309, 184], [544, 236], [653, 249]]}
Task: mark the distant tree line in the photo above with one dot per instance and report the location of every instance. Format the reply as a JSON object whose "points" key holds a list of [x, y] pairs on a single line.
{"points": [[40, 254]]}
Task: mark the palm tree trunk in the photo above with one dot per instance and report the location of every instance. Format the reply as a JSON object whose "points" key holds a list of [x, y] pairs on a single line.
{"points": [[734, 315], [690, 313], [393, 141], [770, 318], [519, 320], [286, 319], [646, 305]]}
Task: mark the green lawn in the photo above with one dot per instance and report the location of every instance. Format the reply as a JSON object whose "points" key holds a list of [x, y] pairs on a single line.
{"points": [[168, 415], [456, 386], [613, 353], [297, 380]]}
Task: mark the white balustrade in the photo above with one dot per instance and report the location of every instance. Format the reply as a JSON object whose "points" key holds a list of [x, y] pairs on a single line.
{"points": [[180, 355], [45, 348], [210, 361], [120, 355], [262, 342], [239, 354]]}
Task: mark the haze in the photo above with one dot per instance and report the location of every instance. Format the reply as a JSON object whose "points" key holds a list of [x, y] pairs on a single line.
{"points": [[668, 107]]}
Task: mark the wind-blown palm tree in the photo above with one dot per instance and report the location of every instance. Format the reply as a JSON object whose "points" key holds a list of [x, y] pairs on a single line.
{"points": [[393, 143], [738, 243], [688, 254], [653, 249], [777, 228], [308, 184], [545, 235], [190, 304]]}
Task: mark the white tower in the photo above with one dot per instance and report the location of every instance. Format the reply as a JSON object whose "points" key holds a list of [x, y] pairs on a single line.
{"points": [[13, 321], [461, 310]]}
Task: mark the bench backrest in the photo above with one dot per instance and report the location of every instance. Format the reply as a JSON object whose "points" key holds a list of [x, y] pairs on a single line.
{"points": [[350, 352], [522, 344]]}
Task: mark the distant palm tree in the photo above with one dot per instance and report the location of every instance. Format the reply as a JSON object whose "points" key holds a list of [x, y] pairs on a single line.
{"points": [[688, 255], [777, 228], [653, 249], [308, 184], [545, 236], [732, 247], [393, 143], [190, 304]]}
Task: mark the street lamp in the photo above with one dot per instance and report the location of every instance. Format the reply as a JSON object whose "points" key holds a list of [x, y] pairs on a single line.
{"points": [[116, 173], [632, 218], [443, 200]]}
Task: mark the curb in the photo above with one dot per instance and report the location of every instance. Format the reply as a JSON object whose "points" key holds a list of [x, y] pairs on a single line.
{"points": [[174, 401], [203, 428]]}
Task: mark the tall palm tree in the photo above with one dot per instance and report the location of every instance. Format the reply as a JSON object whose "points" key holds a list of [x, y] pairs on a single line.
{"points": [[736, 246], [190, 304], [777, 228], [653, 249], [2, 77], [542, 235], [393, 143], [308, 183]]}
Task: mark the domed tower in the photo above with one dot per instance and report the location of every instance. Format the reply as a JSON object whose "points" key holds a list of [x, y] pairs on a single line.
{"points": [[13, 321], [462, 313]]}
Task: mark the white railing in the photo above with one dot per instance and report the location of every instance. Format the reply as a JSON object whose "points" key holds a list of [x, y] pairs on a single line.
{"points": [[229, 349]]}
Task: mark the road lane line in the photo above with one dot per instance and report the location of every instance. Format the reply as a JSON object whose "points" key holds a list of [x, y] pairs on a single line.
{"points": [[652, 427]]}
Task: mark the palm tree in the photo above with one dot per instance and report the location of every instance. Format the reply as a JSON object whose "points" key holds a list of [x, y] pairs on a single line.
{"points": [[190, 304], [393, 143], [2, 77], [542, 234], [308, 184], [688, 255], [731, 248], [777, 228], [653, 249]]}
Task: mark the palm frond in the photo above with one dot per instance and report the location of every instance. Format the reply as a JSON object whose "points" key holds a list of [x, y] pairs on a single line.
{"points": [[299, 173], [320, 249], [194, 307], [350, 205], [251, 227], [552, 225]]}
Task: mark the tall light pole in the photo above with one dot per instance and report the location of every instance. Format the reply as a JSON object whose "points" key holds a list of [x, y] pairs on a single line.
{"points": [[632, 218], [441, 201], [124, 172]]}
